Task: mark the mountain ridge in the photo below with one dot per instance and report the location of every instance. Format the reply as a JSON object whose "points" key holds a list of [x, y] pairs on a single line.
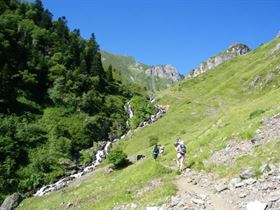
{"points": [[232, 51], [153, 77]]}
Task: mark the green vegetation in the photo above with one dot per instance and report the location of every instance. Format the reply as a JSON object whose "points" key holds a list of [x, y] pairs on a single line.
{"points": [[208, 111], [142, 109], [117, 157], [56, 99], [133, 71], [153, 140]]}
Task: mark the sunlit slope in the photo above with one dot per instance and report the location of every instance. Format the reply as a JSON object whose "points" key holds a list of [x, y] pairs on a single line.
{"points": [[207, 112]]}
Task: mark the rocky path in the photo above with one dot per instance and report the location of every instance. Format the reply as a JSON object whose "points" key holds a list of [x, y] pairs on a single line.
{"points": [[200, 191], [195, 192], [206, 198]]}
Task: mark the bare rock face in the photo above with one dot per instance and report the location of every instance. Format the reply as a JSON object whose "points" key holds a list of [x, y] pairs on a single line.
{"points": [[164, 71], [11, 202], [232, 51]]}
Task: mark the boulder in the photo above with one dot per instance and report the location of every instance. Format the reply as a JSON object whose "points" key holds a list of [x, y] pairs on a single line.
{"points": [[256, 205], [11, 202], [140, 157], [264, 168], [250, 181], [247, 173]]}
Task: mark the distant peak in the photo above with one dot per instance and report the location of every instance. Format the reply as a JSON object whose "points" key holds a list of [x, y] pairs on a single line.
{"points": [[238, 45], [164, 71], [232, 51]]}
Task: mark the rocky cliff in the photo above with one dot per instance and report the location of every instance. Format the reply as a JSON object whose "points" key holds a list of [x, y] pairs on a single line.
{"points": [[231, 52], [153, 77], [164, 71]]}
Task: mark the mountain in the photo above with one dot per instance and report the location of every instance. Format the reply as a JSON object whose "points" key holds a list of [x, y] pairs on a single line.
{"points": [[152, 77], [228, 118], [231, 52], [164, 71]]}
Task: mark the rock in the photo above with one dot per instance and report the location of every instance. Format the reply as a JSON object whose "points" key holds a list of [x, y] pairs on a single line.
{"points": [[69, 205], [240, 184], [11, 202], [256, 205], [153, 208], [220, 187], [250, 181], [140, 157], [175, 200], [232, 51], [164, 71], [264, 168], [276, 48], [247, 173], [242, 195], [198, 201], [108, 171], [133, 206], [235, 181]]}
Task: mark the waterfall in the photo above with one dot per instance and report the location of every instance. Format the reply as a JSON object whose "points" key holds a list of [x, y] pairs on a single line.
{"points": [[102, 153], [128, 109]]}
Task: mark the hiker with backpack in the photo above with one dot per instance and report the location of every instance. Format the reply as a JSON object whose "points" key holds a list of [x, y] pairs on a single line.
{"points": [[155, 152], [181, 151]]}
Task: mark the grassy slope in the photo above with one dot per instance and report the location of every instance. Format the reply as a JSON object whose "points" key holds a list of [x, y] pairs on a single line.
{"points": [[126, 66], [206, 112]]}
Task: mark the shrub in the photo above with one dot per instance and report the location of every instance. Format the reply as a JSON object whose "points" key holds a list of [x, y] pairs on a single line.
{"points": [[256, 113], [247, 134], [153, 140], [118, 158], [86, 156]]}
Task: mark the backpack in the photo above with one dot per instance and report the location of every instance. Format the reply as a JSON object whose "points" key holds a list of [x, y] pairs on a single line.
{"points": [[182, 149], [156, 150]]}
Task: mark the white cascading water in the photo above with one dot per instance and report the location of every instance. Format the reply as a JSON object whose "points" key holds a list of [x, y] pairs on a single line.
{"points": [[128, 110], [101, 154]]}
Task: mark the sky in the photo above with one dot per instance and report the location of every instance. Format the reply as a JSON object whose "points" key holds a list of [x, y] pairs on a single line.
{"points": [[179, 32]]}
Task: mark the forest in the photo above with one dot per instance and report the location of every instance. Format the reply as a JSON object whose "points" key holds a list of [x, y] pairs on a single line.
{"points": [[56, 99]]}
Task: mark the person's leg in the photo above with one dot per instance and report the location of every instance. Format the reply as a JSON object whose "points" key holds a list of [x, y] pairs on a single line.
{"points": [[182, 159], [178, 160]]}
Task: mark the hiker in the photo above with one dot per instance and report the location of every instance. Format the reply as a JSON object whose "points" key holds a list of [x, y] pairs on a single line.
{"points": [[155, 152], [161, 149], [177, 142], [181, 151]]}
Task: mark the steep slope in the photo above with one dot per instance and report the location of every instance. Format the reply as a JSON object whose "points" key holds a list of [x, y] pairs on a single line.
{"points": [[234, 102], [56, 99], [152, 77], [232, 51]]}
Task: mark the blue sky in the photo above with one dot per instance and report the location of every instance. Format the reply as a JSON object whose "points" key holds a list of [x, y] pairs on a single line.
{"points": [[179, 32]]}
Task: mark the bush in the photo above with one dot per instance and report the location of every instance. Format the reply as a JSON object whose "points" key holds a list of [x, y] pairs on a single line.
{"points": [[256, 113], [118, 158], [86, 156], [247, 134], [153, 140]]}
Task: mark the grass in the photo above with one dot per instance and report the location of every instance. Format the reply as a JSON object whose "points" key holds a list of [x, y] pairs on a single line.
{"points": [[206, 112]]}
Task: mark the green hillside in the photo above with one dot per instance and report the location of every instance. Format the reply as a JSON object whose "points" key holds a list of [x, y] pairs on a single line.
{"points": [[56, 99], [226, 103], [133, 71]]}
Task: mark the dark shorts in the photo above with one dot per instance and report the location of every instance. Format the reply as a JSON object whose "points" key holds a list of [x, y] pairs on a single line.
{"points": [[155, 155]]}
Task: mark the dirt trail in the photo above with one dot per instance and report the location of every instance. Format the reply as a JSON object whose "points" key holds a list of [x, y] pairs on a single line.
{"points": [[216, 201]]}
